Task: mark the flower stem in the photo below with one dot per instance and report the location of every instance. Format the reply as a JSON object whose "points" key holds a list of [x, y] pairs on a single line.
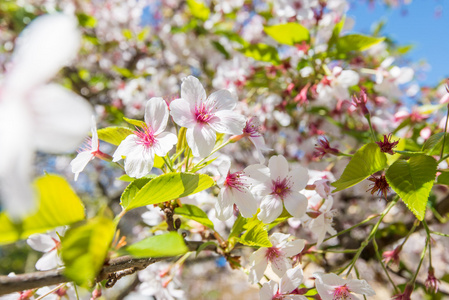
{"points": [[195, 167], [379, 257], [373, 136], [444, 136], [168, 163], [440, 233]]}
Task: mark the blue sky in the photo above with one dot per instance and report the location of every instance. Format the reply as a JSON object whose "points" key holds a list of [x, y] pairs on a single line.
{"points": [[416, 24]]}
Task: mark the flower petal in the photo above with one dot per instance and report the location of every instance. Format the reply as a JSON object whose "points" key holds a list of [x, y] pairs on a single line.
{"points": [[280, 265], [62, 118], [139, 162], [300, 177], [257, 173], [182, 113], [95, 142], [192, 91], [270, 209], [41, 242], [296, 204], [268, 290], [245, 201], [293, 248], [258, 265], [156, 114], [224, 205], [48, 261], [201, 139], [360, 287], [221, 100], [278, 167], [80, 162], [165, 142], [291, 280], [227, 121], [126, 146]]}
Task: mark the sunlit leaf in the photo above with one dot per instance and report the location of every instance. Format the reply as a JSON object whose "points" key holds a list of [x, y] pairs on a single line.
{"points": [[412, 180], [114, 135], [262, 52], [194, 213], [134, 122], [198, 9], [132, 189], [357, 42], [256, 234], [164, 245], [58, 206], [288, 33], [443, 178]]}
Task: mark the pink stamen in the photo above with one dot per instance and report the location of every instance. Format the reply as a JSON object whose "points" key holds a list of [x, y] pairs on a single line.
{"points": [[281, 188], [251, 128], [235, 181], [146, 136], [273, 253], [202, 113], [341, 293]]}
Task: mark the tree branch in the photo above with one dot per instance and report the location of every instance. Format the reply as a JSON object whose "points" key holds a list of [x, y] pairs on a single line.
{"points": [[113, 270]]}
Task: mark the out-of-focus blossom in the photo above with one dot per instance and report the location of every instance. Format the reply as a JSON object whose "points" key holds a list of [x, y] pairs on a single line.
{"points": [[286, 289], [50, 244], [324, 148], [388, 81], [138, 149], [160, 281], [252, 131], [278, 256], [203, 117], [392, 256], [45, 117], [331, 287]]}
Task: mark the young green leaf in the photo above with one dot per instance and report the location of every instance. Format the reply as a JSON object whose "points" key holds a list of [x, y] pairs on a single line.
{"points": [[237, 228], [262, 52], [412, 180], [356, 42], [204, 246], [168, 187], [433, 144], [256, 234], [58, 206], [132, 189], [336, 33], [114, 135], [198, 9], [135, 122], [194, 213], [164, 245], [288, 33], [366, 161], [84, 249]]}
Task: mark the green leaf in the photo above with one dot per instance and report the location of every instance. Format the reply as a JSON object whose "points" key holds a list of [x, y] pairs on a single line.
{"points": [[114, 135], [237, 228], [399, 147], [204, 246], [412, 180], [58, 206], [288, 33], [256, 234], [366, 161], [135, 122], [84, 249], [132, 189], [86, 20], [164, 245], [168, 187], [198, 9], [123, 71], [262, 52], [221, 49], [356, 42], [194, 213], [336, 33], [434, 143], [443, 178]]}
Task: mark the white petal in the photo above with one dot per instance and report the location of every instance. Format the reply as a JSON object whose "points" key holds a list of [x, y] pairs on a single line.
{"points": [[126, 146], [139, 162], [280, 265], [333, 279], [270, 209], [293, 248], [224, 205], [48, 261], [258, 265], [192, 91], [296, 204], [80, 162], [227, 121], [360, 287], [182, 113], [318, 227], [223, 169], [406, 75], [45, 46], [201, 140], [326, 292], [62, 118], [164, 143], [259, 143], [41, 242], [156, 114], [291, 280], [268, 290], [221, 100], [300, 177], [348, 78], [245, 201], [95, 143], [278, 167], [278, 239], [258, 173]]}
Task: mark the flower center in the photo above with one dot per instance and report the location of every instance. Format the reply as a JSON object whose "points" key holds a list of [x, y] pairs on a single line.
{"points": [[236, 181], [251, 128], [273, 253], [145, 136], [281, 187], [202, 113], [341, 293]]}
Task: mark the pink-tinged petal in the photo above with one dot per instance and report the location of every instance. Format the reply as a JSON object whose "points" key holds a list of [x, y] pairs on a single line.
{"points": [[258, 265], [268, 290], [291, 280], [293, 248], [270, 209], [332, 279], [201, 140], [156, 114], [126, 146], [80, 162], [41, 242], [224, 205], [296, 204], [227, 121], [259, 143], [165, 142], [278, 167], [46, 45], [192, 91], [48, 261], [223, 169], [139, 162], [95, 142], [326, 292], [245, 201], [299, 177], [221, 100], [62, 118], [257, 173], [262, 189], [279, 239], [360, 287], [318, 227], [182, 113], [280, 265]]}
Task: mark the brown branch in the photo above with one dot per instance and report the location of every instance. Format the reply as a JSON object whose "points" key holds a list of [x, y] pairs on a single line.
{"points": [[113, 270]]}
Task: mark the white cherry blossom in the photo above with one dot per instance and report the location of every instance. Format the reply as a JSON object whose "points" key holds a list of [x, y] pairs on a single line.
{"points": [[283, 290], [138, 149], [332, 287], [49, 244], [204, 116]]}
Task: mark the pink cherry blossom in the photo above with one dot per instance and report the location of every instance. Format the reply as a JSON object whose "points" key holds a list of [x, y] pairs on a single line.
{"points": [[332, 287], [139, 149], [278, 256], [203, 117]]}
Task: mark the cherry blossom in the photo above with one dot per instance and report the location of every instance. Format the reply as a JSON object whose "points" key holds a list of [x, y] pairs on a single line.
{"points": [[45, 117], [204, 117], [286, 289], [332, 287], [281, 188], [278, 256], [138, 149], [335, 86], [49, 244], [252, 131]]}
